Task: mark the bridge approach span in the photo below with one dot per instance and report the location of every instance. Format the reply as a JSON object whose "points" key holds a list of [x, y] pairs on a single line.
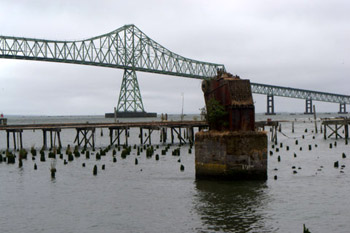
{"points": [[270, 91]]}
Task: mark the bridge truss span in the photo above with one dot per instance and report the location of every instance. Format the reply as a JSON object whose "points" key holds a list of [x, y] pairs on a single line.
{"points": [[125, 48]]}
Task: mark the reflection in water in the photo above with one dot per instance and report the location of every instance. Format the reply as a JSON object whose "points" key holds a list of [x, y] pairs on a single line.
{"points": [[231, 206]]}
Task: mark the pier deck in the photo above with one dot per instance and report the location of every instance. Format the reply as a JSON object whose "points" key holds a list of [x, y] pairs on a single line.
{"points": [[85, 132]]}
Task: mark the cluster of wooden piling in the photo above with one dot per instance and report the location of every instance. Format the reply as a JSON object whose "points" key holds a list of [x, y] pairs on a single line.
{"points": [[275, 148], [150, 151]]}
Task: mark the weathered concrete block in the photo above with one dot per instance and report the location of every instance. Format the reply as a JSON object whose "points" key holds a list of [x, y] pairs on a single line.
{"points": [[231, 155]]}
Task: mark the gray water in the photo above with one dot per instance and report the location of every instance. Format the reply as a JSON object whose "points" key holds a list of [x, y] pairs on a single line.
{"points": [[155, 196]]}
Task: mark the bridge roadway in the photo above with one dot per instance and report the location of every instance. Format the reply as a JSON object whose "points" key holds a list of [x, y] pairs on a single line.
{"points": [[130, 49]]}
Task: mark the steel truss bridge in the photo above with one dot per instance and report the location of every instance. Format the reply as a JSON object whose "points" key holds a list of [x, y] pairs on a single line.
{"points": [[130, 49]]}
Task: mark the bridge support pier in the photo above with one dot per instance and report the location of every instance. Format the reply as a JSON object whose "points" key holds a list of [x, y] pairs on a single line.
{"points": [[342, 108], [270, 105], [308, 107], [130, 96]]}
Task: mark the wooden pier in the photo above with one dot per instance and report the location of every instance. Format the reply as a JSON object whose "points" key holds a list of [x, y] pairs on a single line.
{"points": [[338, 127], [183, 131], [85, 132]]}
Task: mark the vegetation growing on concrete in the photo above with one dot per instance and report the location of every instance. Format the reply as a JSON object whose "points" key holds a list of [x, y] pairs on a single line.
{"points": [[216, 114]]}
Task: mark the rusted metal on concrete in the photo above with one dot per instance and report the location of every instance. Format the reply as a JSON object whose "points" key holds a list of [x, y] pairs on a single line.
{"points": [[232, 148], [236, 96]]}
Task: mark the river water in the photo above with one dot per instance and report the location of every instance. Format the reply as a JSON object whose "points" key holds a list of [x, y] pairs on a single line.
{"points": [[155, 196]]}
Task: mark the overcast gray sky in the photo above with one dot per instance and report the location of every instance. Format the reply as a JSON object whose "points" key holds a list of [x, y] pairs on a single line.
{"points": [[295, 43]]}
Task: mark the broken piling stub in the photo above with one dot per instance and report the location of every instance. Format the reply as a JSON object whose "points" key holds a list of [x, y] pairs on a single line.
{"points": [[231, 149]]}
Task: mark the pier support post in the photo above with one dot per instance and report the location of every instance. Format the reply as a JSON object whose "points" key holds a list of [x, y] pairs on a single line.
{"points": [[88, 134], [17, 138], [172, 135], [308, 106], [149, 136], [342, 108], [270, 105], [163, 134], [141, 136], [126, 136], [54, 133], [118, 130], [191, 135]]}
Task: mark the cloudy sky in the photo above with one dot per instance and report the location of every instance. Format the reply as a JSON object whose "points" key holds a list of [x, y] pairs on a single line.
{"points": [[294, 43]]}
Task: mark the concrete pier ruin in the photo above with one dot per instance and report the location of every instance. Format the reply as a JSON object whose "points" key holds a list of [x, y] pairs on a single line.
{"points": [[232, 149]]}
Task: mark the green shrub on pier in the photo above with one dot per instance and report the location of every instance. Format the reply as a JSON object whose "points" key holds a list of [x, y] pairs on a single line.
{"points": [[216, 114]]}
